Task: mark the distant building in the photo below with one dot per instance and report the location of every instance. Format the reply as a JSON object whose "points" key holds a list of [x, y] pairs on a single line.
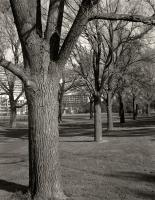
{"points": [[75, 103]]}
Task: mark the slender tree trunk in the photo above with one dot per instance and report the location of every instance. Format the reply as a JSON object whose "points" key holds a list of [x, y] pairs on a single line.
{"points": [[13, 116], [44, 167], [13, 111], [109, 112], [137, 108], [121, 109], [60, 108], [97, 119], [91, 108], [148, 109], [133, 108]]}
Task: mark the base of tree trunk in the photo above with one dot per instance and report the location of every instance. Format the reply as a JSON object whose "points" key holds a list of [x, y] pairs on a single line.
{"points": [[13, 125], [60, 196], [97, 119], [99, 141], [110, 129], [39, 197]]}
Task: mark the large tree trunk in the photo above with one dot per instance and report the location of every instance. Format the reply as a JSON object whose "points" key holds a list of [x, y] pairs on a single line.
{"points": [[97, 119], [121, 109], [109, 112], [44, 167]]}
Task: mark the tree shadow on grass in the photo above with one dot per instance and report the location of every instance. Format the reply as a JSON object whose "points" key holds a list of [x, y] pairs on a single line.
{"points": [[140, 122], [79, 129], [14, 133], [80, 141], [133, 176], [12, 187], [87, 129], [143, 132]]}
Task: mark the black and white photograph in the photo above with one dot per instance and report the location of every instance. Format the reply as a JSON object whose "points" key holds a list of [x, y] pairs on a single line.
{"points": [[77, 99]]}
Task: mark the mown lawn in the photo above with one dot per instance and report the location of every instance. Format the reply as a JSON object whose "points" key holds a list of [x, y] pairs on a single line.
{"points": [[122, 167]]}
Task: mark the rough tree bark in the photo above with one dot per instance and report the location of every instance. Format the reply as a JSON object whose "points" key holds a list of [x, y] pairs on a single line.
{"points": [[97, 119], [109, 111], [44, 171], [121, 109]]}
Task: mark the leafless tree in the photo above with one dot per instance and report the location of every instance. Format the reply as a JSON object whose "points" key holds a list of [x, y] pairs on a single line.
{"points": [[67, 83], [9, 82]]}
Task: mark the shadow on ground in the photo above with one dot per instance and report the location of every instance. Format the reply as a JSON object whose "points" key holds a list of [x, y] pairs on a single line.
{"points": [[140, 128], [133, 176], [12, 187], [70, 130], [14, 133]]}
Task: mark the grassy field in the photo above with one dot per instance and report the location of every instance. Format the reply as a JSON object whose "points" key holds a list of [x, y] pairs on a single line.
{"points": [[122, 167]]}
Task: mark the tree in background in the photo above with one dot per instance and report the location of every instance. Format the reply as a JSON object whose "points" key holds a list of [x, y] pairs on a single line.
{"points": [[122, 38], [9, 83], [67, 83], [105, 60], [148, 90], [91, 71], [140, 81]]}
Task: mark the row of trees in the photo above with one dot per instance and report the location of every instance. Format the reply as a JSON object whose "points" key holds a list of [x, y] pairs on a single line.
{"points": [[111, 63], [47, 43]]}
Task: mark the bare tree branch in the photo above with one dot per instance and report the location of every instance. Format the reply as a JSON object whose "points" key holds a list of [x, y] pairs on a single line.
{"points": [[14, 69], [20, 94], [4, 87], [76, 29], [38, 19], [126, 17]]}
